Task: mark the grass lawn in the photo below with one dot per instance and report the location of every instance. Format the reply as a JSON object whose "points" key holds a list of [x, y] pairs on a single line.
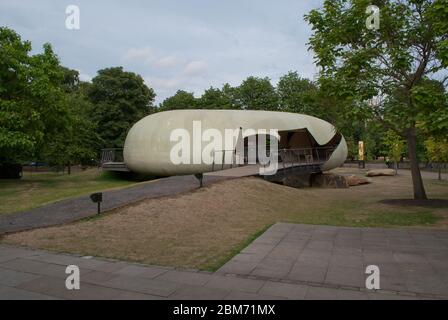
{"points": [[205, 228], [36, 189]]}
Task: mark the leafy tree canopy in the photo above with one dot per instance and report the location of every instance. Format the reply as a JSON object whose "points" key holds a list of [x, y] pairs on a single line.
{"points": [[120, 99], [181, 100], [32, 100], [214, 98], [258, 94], [297, 94], [384, 66]]}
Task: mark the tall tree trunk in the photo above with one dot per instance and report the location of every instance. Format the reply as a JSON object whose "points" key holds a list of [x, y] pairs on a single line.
{"points": [[69, 168], [440, 171], [419, 189]]}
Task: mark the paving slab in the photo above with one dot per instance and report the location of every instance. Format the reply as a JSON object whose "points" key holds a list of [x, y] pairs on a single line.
{"points": [[411, 261], [290, 261], [235, 284], [56, 287], [185, 277], [284, 290], [143, 285], [13, 278], [199, 293], [10, 293]]}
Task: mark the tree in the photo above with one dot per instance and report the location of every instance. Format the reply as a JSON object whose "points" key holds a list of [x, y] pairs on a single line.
{"points": [[352, 149], [437, 151], [79, 143], [386, 65], [32, 99], [120, 98], [257, 94], [297, 95], [232, 94], [214, 98], [181, 100], [431, 99], [394, 147]]}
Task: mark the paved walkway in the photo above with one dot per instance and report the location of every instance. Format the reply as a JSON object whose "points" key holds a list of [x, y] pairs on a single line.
{"points": [[412, 262], [76, 208], [288, 261], [237, 172]]}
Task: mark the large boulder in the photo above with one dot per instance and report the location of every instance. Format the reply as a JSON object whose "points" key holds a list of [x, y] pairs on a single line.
{"points": [[297, 180], [328, 180], [353, 180], [380, 172]]}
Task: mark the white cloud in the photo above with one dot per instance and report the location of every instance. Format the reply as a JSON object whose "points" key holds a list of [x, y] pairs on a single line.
{"points": [[189, 45], [195, 68], [163, 83], [144, 53], [165, 62]]}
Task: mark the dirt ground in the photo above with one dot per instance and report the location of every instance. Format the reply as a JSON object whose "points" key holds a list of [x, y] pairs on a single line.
{"points": [[204, 228]]}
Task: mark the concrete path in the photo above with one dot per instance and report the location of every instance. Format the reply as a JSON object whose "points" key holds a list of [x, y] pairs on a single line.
{"points": [[412, 262], [76, 208], [287, 262], [237, 172]]}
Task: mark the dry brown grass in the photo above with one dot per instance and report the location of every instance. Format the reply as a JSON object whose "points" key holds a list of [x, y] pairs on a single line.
{"points": [[202, 229]]}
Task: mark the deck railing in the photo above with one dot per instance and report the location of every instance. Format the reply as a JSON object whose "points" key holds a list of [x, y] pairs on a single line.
{"points": [[112, 155], [287, 157], [305, 156]]}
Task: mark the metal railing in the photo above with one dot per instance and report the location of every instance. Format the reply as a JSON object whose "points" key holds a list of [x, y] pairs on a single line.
{"points": [[305, 156], [112, 155], [288, 157], [221, 155]]}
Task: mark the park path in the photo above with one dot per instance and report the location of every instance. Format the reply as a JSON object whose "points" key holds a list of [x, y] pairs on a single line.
{"points": [[73, 209], [80, 207], [289, 261]]}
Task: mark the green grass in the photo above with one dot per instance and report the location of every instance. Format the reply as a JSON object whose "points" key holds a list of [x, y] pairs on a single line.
{"points": [[36, 189], [206, 228], [218, 263], [382, 219], [364, 213]]}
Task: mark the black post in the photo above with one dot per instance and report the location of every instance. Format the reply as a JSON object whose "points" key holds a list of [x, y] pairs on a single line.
{"points": [[199, 176], [97, 198]]}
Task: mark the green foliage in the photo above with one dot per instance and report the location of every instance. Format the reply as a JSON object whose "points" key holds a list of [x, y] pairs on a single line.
{"points": [[232, 94], [79, 142], [394, 146], [32, 100], [389, 62], [181, 100], [438, 13], [253, 94], [298, 95], [214, 98], [352, 149], [437, 149], [382, 67], [119, 99], [257, 94], [431, 99]]}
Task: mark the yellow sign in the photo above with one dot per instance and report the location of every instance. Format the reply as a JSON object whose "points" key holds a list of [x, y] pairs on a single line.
{"points": [[361, 150]]}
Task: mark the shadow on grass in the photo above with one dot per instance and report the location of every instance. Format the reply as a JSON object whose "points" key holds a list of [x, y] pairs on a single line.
{"points": [[429, 203]]}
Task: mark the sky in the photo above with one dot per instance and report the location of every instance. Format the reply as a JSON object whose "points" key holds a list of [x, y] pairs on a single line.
{"points": [[188, 45]]}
